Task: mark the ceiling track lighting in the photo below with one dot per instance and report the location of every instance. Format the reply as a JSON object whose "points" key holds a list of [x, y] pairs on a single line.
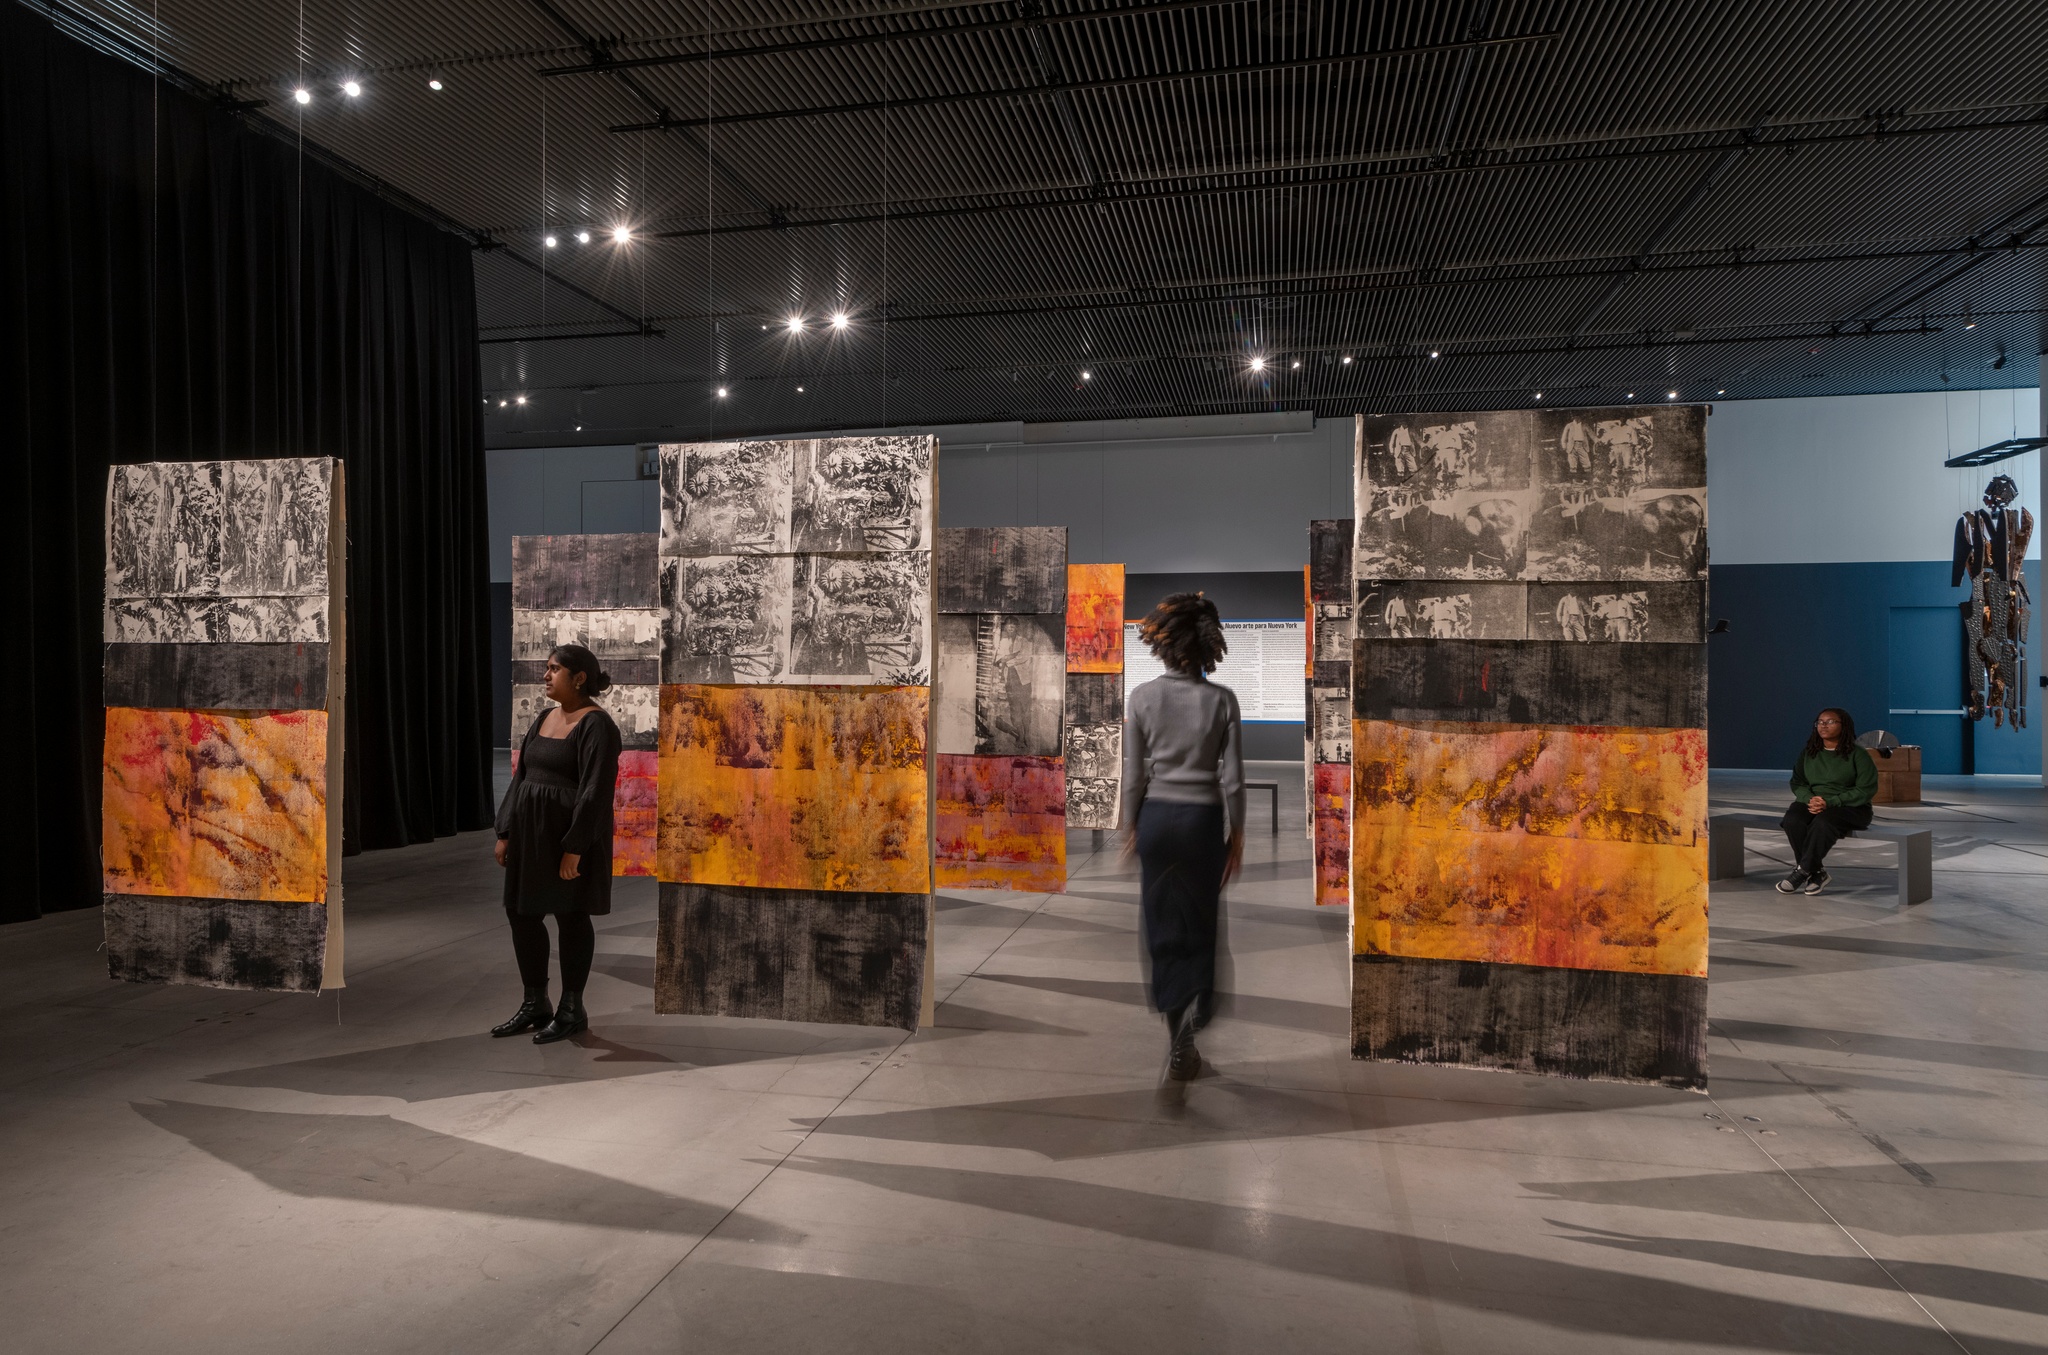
{"points": [[839, 320], [582, 237], [621, 234], [434, 84], [302, 96], [352, 88]]}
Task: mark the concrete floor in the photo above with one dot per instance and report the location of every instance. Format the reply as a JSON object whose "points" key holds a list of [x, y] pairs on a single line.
{"points": [[194, 1170]]}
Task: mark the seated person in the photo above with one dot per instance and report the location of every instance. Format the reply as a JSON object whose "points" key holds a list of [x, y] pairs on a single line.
{"points": [[1834, 781]]}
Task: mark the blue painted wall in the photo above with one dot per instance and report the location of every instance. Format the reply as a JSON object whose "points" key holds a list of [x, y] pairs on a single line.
{"points": [[1804, 636]]}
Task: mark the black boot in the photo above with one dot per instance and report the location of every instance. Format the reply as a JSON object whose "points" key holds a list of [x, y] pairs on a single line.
{"points": [[1183, 1061], [533, 1013], [569, 1019]]}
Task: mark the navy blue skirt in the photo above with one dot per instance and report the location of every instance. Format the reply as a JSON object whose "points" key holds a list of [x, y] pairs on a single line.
{"points": [[1182, 850]]}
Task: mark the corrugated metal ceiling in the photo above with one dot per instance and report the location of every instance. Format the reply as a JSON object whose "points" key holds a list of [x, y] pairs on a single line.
{"points": [[1579, 199]]}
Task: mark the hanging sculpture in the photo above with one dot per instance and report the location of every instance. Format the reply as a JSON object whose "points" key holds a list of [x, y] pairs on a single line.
{"points": [[1991, 552]]}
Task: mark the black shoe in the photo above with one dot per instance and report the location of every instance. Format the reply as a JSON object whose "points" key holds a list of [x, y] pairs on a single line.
{"points": [[1183, 1061], [570, 1018], [1792, 883], [1815, 882], [533, 1013]]}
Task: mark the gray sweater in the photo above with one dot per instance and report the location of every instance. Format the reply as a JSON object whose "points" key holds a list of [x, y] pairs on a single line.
{"points": [[1183, 743]]}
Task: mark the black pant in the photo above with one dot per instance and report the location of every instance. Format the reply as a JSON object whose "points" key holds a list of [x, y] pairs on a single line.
{"points": [[1182, 850], [530, 944], [1812, 834]]}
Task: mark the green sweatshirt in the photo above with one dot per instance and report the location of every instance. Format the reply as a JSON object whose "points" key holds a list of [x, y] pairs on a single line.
{"points": [[1841, 781]]}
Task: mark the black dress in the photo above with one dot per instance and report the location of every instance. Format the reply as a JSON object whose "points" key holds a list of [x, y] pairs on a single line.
{"points": [[561, 802]]}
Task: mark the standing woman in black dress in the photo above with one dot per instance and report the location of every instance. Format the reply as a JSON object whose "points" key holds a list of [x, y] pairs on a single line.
{"points": [[555, 842]]}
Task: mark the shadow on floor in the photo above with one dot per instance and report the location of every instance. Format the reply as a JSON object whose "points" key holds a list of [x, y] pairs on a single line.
{"points": [[378, 1160], [1541, 1289]]}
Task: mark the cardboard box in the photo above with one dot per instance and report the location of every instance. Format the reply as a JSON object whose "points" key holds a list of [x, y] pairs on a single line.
{"points": [[1898, 776]]}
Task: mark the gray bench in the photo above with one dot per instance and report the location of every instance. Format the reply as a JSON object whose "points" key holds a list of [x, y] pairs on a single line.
{"points": [[1916, 851]]}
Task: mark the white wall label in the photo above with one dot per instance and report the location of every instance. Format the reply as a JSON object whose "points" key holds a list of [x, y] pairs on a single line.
{"points": [[1265, 667]]}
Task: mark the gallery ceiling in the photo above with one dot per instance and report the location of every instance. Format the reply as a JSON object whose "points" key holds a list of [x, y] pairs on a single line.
{"points": [[1079, 209]]}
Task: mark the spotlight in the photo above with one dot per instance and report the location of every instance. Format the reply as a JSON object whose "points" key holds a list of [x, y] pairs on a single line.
{"points": [[519, 400], [582, 237], [433, 84], [1631, 395], [1539, 395], [304, 96], [799, 390], [501, 404], [351, 88], [796, 324], [1087, 376], [721, 392], [764, 329], [621, 234], [1296, 364], [1258, 364], [1671, 395], [1720, 392], [1434, 355], [579, 427], [1347, 359], [551, 242], [839, 320]]}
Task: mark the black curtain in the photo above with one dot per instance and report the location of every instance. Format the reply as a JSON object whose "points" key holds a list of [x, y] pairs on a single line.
{"points": [[180, 286]]}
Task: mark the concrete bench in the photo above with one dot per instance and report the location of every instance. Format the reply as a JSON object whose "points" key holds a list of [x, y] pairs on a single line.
{"points": [[1916, 851]]}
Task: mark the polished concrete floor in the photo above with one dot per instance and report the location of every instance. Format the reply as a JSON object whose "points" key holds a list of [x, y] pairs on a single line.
{"points": [[184, 1169]]}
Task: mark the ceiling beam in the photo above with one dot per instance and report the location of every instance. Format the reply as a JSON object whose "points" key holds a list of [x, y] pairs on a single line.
{"points": [[2011, 230], [666, 123], [1672, 220], [1032, 16], [1374, 169]]}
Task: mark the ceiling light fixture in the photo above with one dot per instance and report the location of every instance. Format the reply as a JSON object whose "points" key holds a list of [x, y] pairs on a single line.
{"points": [[799, 390], [1347, 359], [621, 234], [519, 400], [796, 324], [1631, 395], [1720, 392], [436, 84], [1258, 364], [839, 320], [1433, 354], [304, 96], [501, 404], [551, 242], [351, 88], [1671, 395], [1087, 376], [721, 392], [1539, 395], [582, 237]]}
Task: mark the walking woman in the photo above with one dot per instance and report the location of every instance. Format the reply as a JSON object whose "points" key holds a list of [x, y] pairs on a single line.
{"points": [[1832, 781], [1183, 812], [555, 842]]}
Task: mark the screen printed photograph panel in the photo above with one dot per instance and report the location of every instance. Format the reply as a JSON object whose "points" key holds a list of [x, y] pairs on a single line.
{"points": [[212, 805], [1001, 823], [1095, 618], [794, 787], [1570, 847], [1018, 570]]}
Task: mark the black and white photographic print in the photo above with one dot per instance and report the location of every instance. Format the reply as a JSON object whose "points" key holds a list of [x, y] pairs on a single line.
{"points": [[218, 620], [1020, 570], [725, 498], [1329, 724], [1095, 751], [1096, 698], [1618, 451], [862, 494], [725, 618], [601, 571], [274, 527], [636, 709], [861, 619], [1092, 801], [1653, 534], [1333, 632], [1001, 684], [1668, 612], [1407, 609], [1329, 559], [165, 521], [616, 634]]}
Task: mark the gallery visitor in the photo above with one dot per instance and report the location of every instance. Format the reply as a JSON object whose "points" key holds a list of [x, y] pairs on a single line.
{"points": [[1833, 782], [1183, 811], [555, 842]]}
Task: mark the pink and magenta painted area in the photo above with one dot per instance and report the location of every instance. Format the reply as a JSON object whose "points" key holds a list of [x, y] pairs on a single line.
{"points": [[1002, 823]]}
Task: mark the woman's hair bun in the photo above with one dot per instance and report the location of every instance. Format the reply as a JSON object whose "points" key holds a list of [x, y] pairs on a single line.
{"points": [[598, 685]]}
